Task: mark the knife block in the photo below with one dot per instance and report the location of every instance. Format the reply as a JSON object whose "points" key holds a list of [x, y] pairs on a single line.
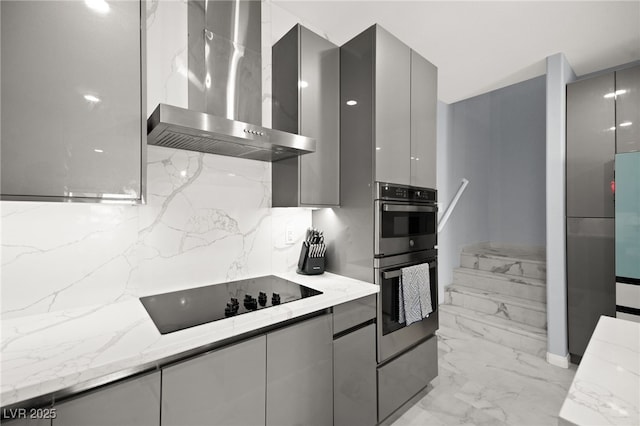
{"points": [[309, 264]]}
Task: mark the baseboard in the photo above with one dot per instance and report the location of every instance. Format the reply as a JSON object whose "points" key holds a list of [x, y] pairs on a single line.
{"points": [[558, 360]]}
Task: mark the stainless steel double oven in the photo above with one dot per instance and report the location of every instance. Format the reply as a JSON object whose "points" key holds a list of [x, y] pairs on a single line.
{"points": [[405, 221]]}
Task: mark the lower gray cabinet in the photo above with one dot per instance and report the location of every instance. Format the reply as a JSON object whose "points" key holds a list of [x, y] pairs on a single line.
{"points": [[591, 278], [354, 378], [27, 421], [225, 387], [300, 374], [134, 402], [402, 378]]}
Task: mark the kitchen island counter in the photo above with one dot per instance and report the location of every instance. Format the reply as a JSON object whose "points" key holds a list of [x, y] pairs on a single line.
{"points": [[606, 387], [50, 355]]}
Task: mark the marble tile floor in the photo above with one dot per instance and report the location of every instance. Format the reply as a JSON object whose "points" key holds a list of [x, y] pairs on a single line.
{"points": [[483, 383]]}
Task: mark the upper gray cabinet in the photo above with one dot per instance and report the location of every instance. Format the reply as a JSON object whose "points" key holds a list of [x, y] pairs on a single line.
{"points": [[388, 109], [424, 104], [591, 146], [628, 110], [306, 95], [73, 119], [392, 108]]}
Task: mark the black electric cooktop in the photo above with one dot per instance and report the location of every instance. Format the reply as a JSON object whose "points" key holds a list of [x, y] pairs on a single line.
{"points": [[187, 308]]}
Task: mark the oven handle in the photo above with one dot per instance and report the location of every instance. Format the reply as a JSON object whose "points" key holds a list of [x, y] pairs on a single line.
{"points": [[405, 208], [387, 275]]}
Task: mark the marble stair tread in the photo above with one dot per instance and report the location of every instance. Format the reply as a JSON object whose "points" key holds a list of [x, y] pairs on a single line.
{"points": [[530, 331], [498, 297], [522, 287], [512, 253]]}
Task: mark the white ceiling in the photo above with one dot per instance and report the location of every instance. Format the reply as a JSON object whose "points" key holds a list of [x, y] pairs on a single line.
{"points": [[479, 46]]}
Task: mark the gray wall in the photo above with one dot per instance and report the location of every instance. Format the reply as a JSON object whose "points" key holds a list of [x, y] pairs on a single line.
{"points": [[496, 141]]}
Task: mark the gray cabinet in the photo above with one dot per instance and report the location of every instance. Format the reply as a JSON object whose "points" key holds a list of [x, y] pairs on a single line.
{"points": [[424, 104], [628, 110], [224, 387], [405, 376], [306, 96], [354, 362], [590, 147], [300, 374], [27, 422], [590, 277], [388, 110], [134, 402], [73, 119], [392, 109]]}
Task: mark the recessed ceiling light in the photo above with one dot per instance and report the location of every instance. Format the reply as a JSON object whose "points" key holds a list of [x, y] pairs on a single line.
{"points": [[91, 98], [351, 102], [99, 151], [625, 124], [302, 84], [100, 6]]}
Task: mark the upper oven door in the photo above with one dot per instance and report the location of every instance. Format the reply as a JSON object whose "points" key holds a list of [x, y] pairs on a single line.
{"points": [[402, 227]]}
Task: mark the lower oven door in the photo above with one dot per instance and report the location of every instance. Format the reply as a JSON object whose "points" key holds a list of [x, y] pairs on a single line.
{"points": [[394, 337]]}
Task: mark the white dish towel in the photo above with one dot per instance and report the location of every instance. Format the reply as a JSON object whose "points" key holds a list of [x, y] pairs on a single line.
{"points": [[415, 294]]}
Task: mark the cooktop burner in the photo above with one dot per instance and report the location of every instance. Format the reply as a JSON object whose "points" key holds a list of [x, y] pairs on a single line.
{"points": [[187, 308]]}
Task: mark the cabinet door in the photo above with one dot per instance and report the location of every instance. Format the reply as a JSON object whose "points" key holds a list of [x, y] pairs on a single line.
{"points": [[134, 402], [590, 147], [27, 422], [224, 387], [320, 119], [354, 378], [392, 109], [300, 374], [590, 278], [72, 118], [424, 98], [628, 110]]}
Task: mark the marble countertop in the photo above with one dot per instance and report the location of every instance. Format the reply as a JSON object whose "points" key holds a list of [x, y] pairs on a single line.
{"points": [[606, 387], [72, 350]]}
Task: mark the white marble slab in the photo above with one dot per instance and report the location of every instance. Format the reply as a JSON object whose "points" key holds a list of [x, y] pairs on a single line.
{"points": [[49, 352], [606, 387]]}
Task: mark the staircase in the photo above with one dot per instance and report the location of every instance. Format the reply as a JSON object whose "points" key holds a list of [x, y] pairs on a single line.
{"points": [[499, 292]]}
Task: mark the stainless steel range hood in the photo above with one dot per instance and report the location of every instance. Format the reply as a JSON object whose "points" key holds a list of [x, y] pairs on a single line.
{"points": [[180, 128], [225, 89]]}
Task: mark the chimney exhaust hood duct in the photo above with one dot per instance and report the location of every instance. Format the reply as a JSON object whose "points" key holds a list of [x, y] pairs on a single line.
{"points": [[225, 93]]}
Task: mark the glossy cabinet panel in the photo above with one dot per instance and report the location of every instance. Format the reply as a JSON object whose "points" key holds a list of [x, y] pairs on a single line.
{"points": [[354, 313], [27, 421], [628, 110], [134, 402], [590, 147], [590, 277], [73, 121], [628, 215], [354, 378], [405, 376], [226, 387], [300, 374], [306, 99], [392, 109], [424, 103]]}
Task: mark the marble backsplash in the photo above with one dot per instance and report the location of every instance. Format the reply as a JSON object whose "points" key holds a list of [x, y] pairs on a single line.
{"points": [[207, 219]]}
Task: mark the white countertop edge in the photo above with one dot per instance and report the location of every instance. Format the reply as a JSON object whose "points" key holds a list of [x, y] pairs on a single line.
{"points": [[606, 387], [49, 353]]}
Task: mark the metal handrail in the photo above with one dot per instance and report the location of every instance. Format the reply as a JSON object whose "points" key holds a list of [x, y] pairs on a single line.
{"points": [[452, 205]]}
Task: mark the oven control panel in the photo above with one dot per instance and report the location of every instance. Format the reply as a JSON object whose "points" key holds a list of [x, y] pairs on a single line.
{"points": [[388, 191]]}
